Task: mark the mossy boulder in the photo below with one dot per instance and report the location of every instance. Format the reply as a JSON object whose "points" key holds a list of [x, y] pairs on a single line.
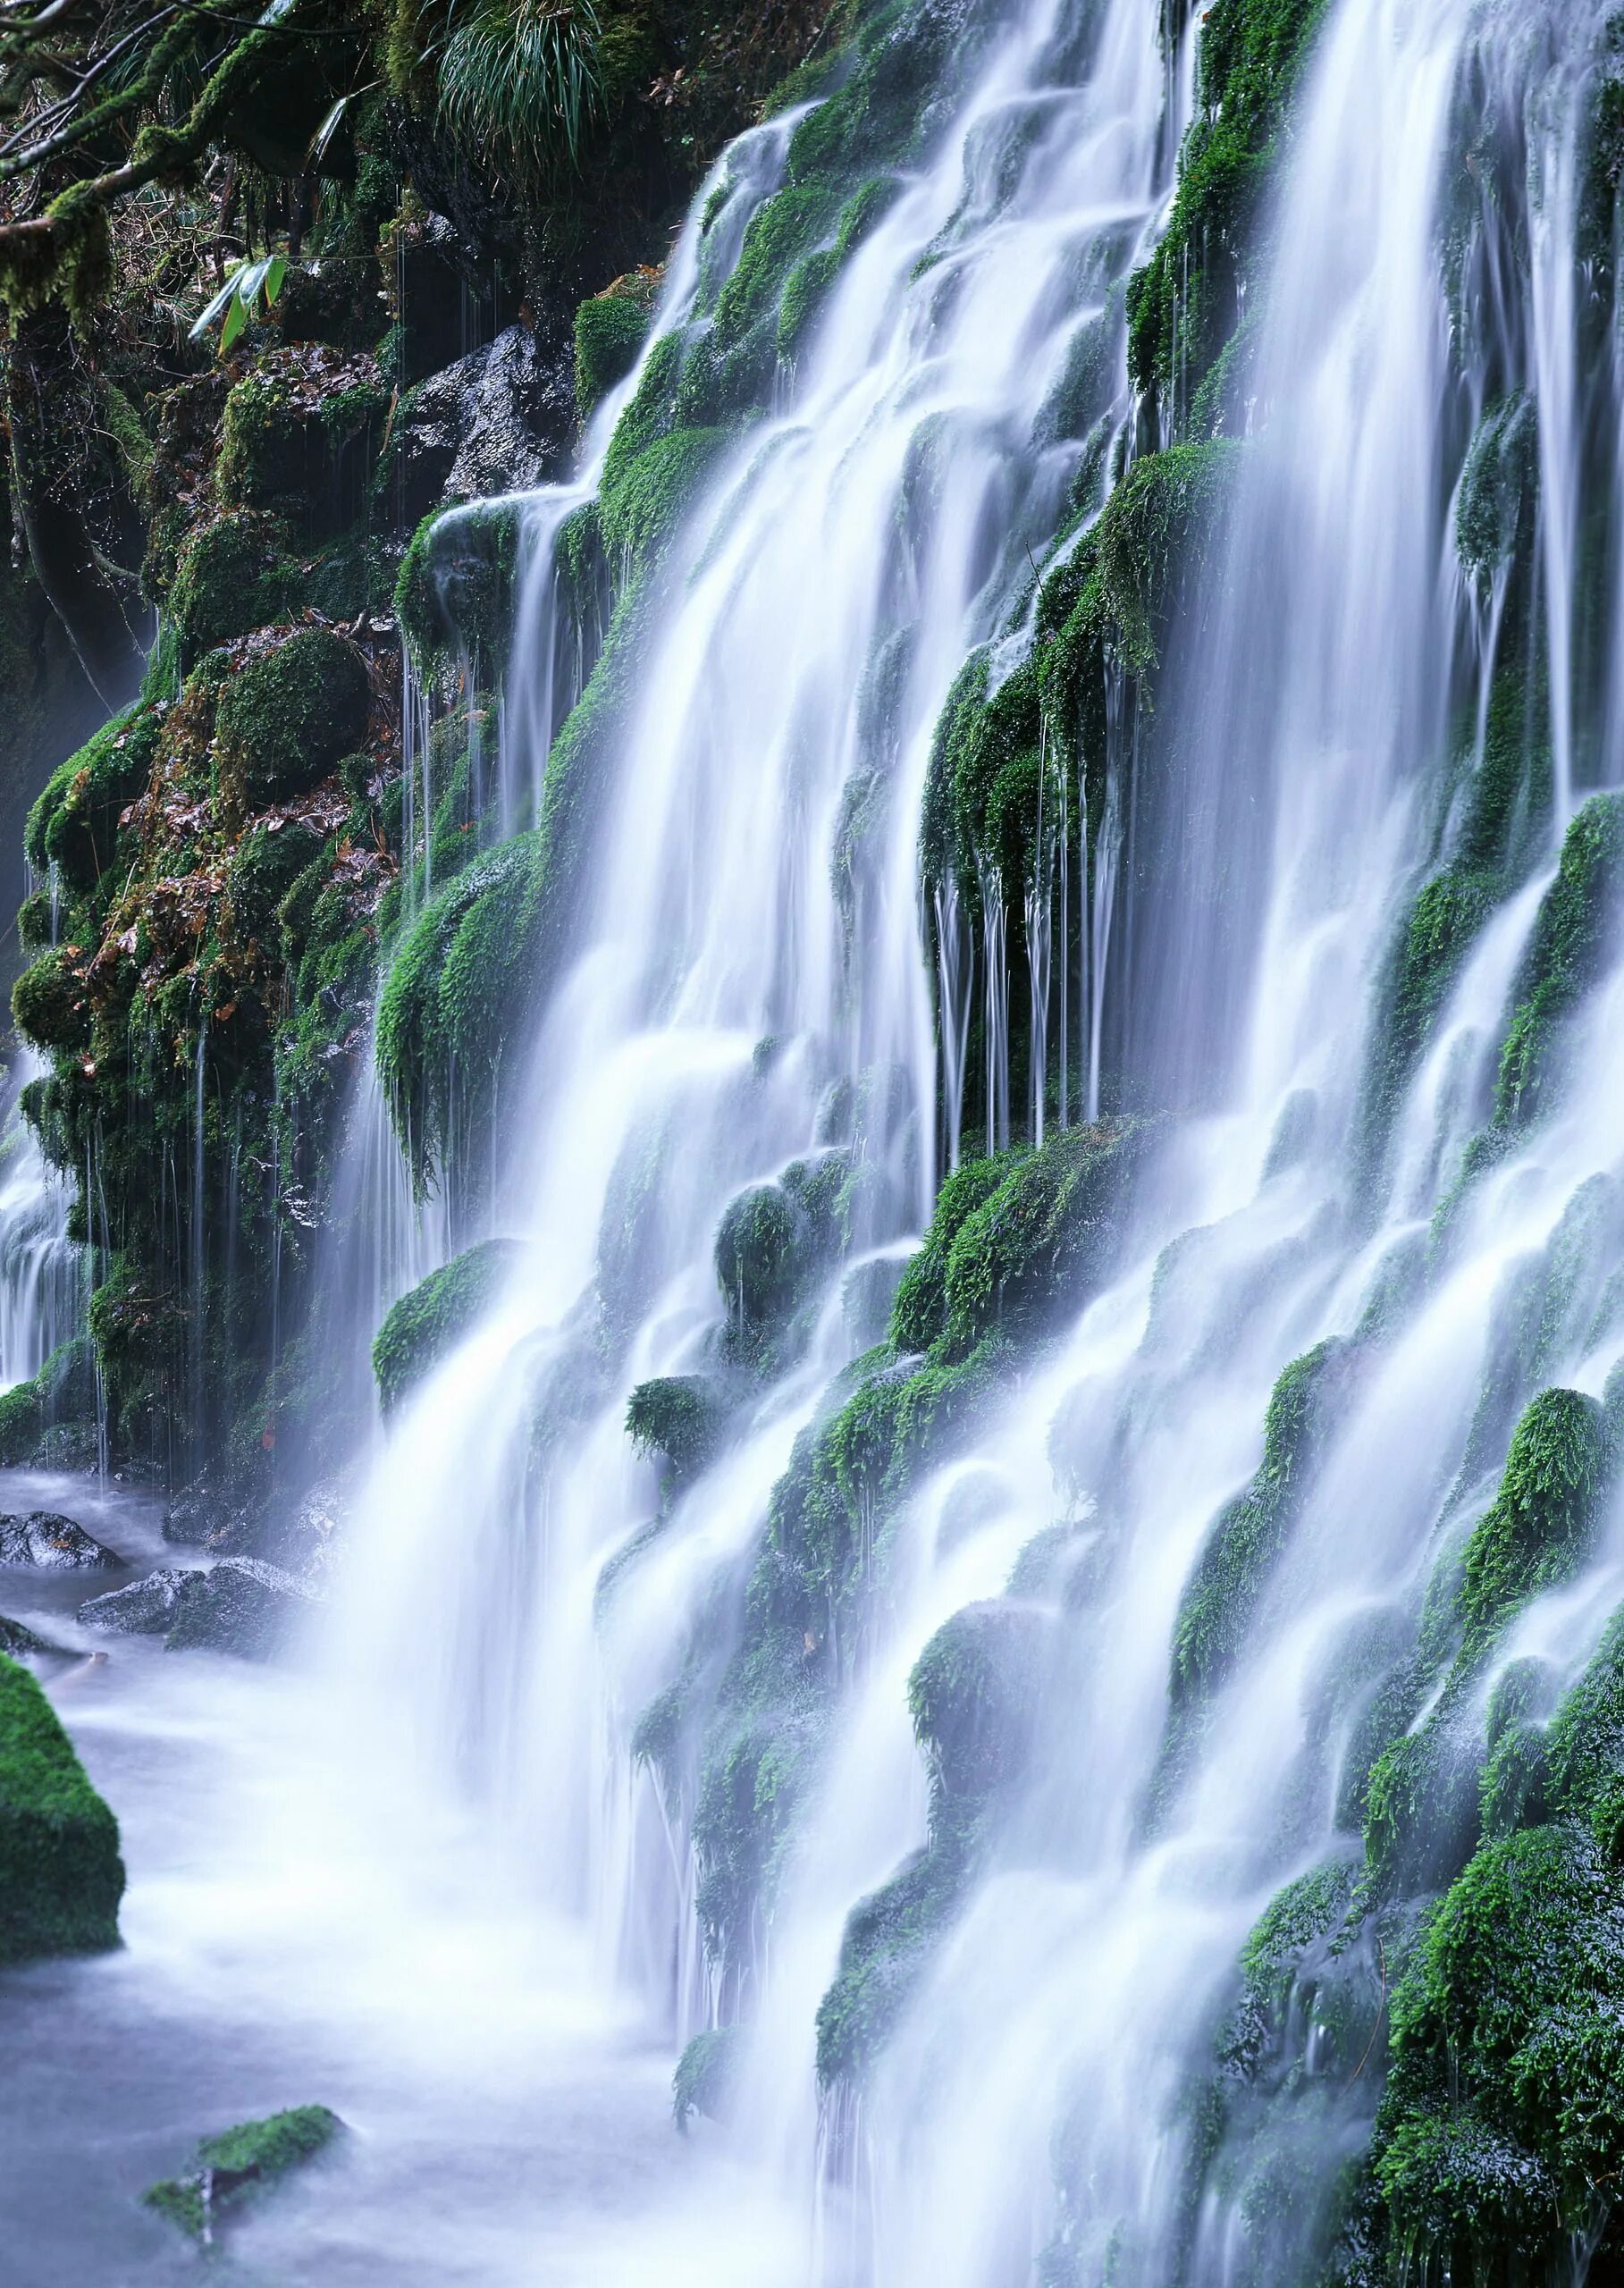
{"points": [[299, 436], [705, 2072], [64, 1392], [681, 1418], [239, 2166], [290, 715], [60, 1875], [457, 589], [232, 577], [1539, 1525], [74, 823], [51, 1006], [609, 332], [424, 1326]]}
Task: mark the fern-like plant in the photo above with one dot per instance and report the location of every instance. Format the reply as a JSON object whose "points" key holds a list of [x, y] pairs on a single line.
{"points": [[518, 79]]}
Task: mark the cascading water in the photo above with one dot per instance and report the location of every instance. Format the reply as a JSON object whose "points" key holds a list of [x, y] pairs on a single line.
{"points": [[41, 1271], [1295, 945], [1235, 925]]}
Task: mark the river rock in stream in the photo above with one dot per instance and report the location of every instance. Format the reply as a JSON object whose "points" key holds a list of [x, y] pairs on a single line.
{"points": [[143, 1608], [242, 1605], [52, 1544]]}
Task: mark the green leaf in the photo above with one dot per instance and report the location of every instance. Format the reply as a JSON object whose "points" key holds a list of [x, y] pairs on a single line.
{"points": [[216, 304], [276, 269], [237, 317]]}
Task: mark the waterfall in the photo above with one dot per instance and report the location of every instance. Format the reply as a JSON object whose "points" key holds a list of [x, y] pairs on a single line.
{"points": [[41, 1271], [748, 1010]]}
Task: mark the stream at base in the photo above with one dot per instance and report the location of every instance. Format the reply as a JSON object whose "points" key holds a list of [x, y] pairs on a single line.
{"points": [[511, 2119]]}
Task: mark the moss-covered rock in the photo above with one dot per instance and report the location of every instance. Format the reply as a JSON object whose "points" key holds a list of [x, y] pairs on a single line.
{"points": [[457, 985], [682, 1419], [290, 714], [235, 2168], [299, 436], [456, 590], [426, 1325], [74, 824], [1574, 936], [60, 1875], [609, 332], [232, 577], [1186, 303], [51, 1006], [704, 2078]]}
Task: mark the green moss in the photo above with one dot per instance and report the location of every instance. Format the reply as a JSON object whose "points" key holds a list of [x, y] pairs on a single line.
{"points": [[455, 990], [51, 1006], [290, 714], [1185, 304], [773, 1242], [230, 578], [641, 508], [609, 333], [457, 588], [920, 1311], [681, 1418], [238, 2167], [298, 438], [74, 823], [1498, 487], [704, 2076], [60, 1876], [1039, 1243], [1249, 1534], [1540, 1524], [1573, 937], [424, 1326], [63, 1393], [972, 1694]]}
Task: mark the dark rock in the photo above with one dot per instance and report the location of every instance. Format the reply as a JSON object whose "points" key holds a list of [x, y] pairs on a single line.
{"points": [[143, 1609], [495, 422], [22, 1643], [53, 1543], [242, 1606], [202, 1519]]}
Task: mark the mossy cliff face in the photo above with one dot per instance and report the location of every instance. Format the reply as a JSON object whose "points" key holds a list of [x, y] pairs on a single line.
{"points": [[222, 870]]}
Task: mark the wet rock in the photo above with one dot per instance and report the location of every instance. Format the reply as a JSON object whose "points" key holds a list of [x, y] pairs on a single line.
{"points": [[302, 1540], [243, 1605], [143, 1609], [22, 1643], [495, 422], [53, 1543], [203, 1519], [241, 2164]]}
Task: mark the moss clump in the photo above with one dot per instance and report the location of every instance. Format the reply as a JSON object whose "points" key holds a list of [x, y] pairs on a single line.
{"points": [[973, 1696], [609, 333], [230, 578], [920, 1308], [1235, 1568], [426, 1325], [1540, 1524], [1573, 937], [60, 1876], [299, 436], [704, 2075], [61, 1394], [457, 586], [681, 1418], [1185, 304], [644, 503], [809, 282], [290, 714], [1040, 1242], [50, 1004], [773, 1242], [1498, 487], [241, 2164], [74, 824], [454, 991]]}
